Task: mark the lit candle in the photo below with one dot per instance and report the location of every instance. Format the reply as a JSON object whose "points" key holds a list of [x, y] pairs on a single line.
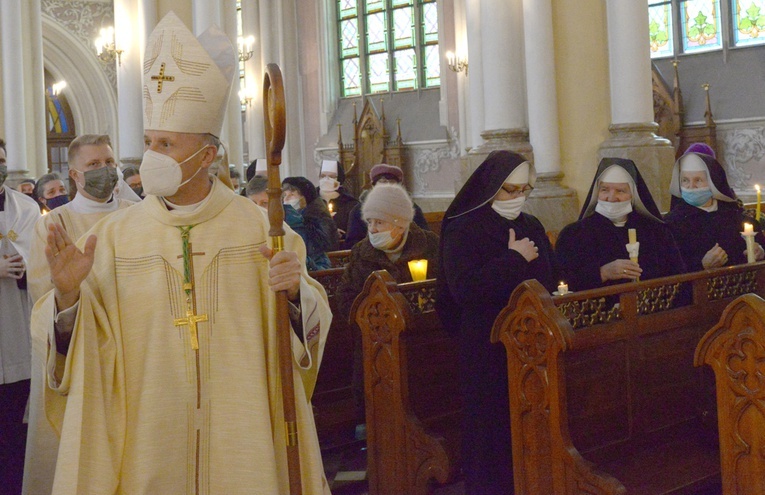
{"points": [[759, 199], [748, 235], [418, 269], [748, 228], [633, 235], [331, 207], [562, 289]]}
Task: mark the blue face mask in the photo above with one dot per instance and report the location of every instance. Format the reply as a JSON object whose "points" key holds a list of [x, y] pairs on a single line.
{"points": [[696, 197], [57, 201]]}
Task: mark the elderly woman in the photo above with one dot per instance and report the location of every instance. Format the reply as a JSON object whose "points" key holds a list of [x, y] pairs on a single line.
{"points": [[393, 240], [706, 218], [592, 252], [307, 214], [488, 247]]}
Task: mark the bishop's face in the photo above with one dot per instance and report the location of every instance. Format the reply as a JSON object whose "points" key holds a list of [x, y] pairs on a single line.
{"points": [[181, 147]]}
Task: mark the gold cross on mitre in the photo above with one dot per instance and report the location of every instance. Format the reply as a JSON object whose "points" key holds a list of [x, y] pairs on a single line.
{"points": [[191, 320], [161, 77]]}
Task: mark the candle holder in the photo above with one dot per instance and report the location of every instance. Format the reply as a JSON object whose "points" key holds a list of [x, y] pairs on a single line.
{"points": [[748, 236]]}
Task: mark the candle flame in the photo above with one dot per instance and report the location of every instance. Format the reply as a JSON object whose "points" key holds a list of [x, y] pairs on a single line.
{"points": [[757, 186]]}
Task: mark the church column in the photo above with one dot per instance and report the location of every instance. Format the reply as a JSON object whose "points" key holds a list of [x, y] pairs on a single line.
{"points": [[632, 121], [253, 76], [23, 89], [136, 18], [555, 206], [504, 96], [205, 14]]}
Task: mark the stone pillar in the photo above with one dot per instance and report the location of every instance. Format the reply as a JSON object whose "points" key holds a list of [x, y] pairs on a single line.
{"points": [[254, 131], [205, 14], [632, 124], [555, 205], [23, 89], [137, 20], [504, 85], [475, 73]]}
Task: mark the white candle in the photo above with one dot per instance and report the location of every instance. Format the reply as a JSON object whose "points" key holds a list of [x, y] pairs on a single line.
{"points": [[418, 269], [562, 289], [748, 228]]}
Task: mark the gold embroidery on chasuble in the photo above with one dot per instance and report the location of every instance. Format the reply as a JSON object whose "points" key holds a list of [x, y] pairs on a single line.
{"points": [[11, 235]]}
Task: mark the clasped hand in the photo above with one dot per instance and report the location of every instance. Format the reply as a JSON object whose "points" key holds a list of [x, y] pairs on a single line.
{"points": [[620, 269], [12, 266], [524, 246]]}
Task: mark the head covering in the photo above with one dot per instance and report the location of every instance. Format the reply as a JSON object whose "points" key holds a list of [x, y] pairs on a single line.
{"points": [[304, 186], [187, 80], [257, 165], [642, 201], [485, 183], [389, 202], [383, 169], [701, 148], [333, 166], [519, 175], [718, 181]]}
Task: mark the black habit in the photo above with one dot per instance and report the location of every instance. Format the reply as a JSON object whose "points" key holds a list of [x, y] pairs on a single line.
{"points": [[593, 241], [477, 274]]}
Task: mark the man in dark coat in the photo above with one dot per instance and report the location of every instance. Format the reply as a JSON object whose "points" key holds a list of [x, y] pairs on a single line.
{"points": [[592, 252], [488, 247], [339, 201], [705, 216], [382, 173]]}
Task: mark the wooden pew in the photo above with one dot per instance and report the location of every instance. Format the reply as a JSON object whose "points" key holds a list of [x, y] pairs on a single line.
{"points": [[605, 399], [339, 258], [413, 406], [735, 349], [334, 409]]}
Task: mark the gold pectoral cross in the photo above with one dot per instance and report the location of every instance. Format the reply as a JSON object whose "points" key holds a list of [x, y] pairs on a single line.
{"points": [[162, 77], [191, 320]]}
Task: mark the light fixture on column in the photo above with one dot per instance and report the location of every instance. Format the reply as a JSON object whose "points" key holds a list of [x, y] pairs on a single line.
{"points": [[457, 62], [245, 96], [106, 49], [245, 47], [57, 88]]}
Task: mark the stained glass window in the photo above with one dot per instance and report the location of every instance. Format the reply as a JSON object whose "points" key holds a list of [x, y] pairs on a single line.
{"points": [[660, 28], [700, 20], [388, 45], [748, 22]]}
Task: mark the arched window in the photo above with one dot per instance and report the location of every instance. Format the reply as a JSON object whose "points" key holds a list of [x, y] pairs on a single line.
{"points": [[691, 26], [387, 45], [61, 129]]}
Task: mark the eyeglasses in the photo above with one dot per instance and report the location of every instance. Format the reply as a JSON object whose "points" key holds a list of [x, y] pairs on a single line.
{"points": [[515, 192]]}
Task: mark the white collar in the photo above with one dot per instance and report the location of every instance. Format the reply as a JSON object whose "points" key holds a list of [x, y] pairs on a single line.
{"points": [[711, 208], [181, 209], [81, 204]]}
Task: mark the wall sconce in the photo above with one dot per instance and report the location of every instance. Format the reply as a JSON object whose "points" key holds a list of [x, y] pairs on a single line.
{"points": [[457, 63], [105, 47], [57, 88], [245, 47], [245, 96]]}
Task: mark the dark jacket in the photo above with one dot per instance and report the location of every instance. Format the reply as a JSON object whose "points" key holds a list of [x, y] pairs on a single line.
{"points": [[316, 228], [420, 244], [341, 208]]}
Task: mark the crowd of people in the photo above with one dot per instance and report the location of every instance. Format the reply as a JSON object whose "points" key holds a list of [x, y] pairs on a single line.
{"points": [[148, 362]]}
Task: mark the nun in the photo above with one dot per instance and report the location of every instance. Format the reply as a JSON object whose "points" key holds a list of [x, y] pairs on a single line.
{"points": [[339, 201], [592, 252], [705, 215], [488, 247]]}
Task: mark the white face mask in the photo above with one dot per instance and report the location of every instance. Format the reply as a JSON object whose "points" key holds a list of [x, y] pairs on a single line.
{"points": [[161, 175], [328, 184], [509, 208], [382, 240], [294, 202], [614, 211]]}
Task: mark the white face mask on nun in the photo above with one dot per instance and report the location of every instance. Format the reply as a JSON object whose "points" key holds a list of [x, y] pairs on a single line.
{"points": [[161, 175], [509, 208]]}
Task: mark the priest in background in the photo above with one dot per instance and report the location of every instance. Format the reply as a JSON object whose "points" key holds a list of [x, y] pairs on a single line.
{"points": [[162, 369], [93, 170], [339, 201], [705, 215], [592, 252], [488, 247], [18, 214]]}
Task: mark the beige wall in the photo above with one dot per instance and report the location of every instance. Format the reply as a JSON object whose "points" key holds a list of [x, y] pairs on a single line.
{"points": [[182, 9], [581, 59]]}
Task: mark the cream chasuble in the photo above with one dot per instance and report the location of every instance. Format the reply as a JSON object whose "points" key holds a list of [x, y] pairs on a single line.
{"points": [[77, 217], [145, 412]]}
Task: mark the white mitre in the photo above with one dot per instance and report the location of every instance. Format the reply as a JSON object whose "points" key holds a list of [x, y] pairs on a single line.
{"points": [[187, 80]]}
